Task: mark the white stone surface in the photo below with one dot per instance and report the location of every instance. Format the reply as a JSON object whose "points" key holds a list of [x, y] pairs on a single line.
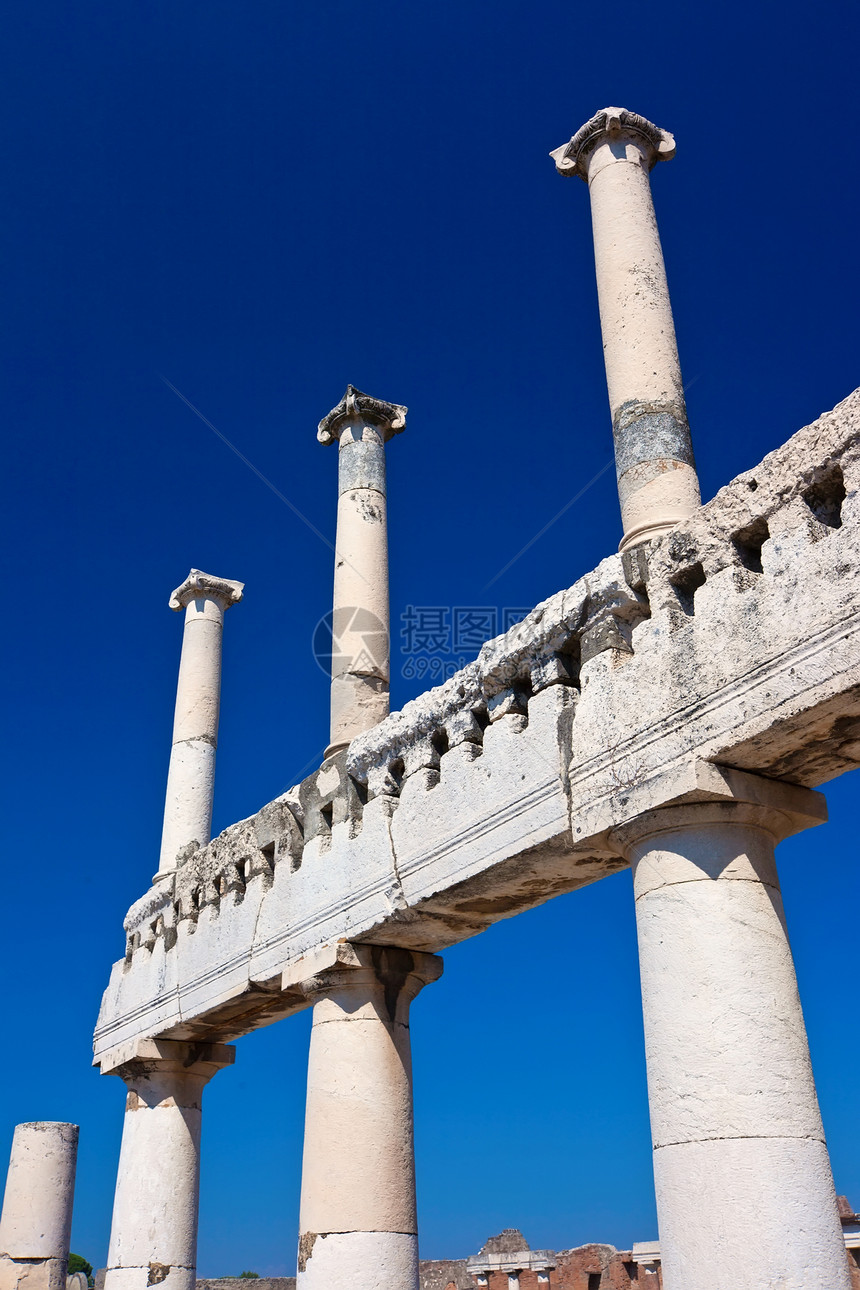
{"points": [[154, 1228], [615, 152], [760, 671], [191, 775], [745, 1196], [361, 426], [771, 1228], [36, 1221], [362, 1261], [358, 1168]]}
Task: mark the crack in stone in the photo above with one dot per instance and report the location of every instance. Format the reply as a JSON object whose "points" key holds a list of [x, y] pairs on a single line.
{"points": [[744, 1137]]}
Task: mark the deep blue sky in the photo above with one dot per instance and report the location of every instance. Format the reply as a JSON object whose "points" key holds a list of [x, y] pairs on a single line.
{"points": [[263, 201]]}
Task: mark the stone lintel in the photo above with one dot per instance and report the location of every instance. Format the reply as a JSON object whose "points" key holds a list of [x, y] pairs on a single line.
{"points": [[355, 408], [140, 1050], [511, 1261], [303, 976], [199, 584], [613, 123], [646, 1253]]}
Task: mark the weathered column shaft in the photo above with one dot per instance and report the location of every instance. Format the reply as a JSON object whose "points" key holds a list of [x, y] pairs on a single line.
{"points": [[358, 1218], [154, 1229], [657, 482], [191, 777], [36, 1224], [745, 1195], [361, 669]]}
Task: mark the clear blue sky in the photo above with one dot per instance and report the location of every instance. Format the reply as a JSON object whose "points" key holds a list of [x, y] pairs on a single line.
{"points": [[263, 201]]}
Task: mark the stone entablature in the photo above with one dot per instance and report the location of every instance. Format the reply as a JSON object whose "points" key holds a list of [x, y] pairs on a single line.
{"points": [[731, 640]]}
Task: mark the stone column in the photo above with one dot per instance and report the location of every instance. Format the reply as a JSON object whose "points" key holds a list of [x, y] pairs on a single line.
{"points": [[36, 1224], [745, 1195], [657, 482], [360, 669], [358, 1220], [191, 777], [154, 1229]]}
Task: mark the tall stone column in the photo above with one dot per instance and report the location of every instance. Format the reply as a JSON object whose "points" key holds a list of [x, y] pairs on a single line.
{"points": [[360, 669], [36, 1224], [153, 1236], [191, 777], [745, 1195], [657, 483], [358, 1219]]}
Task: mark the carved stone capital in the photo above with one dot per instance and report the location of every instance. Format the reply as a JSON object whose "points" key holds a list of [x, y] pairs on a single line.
{"points": [[140, 1057], [612, 123], [330, 967], [356, 408], [199, 584]]}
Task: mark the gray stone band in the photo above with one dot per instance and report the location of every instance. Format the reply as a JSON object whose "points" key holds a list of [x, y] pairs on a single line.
{"points": [[361, 464], [649, 435]]}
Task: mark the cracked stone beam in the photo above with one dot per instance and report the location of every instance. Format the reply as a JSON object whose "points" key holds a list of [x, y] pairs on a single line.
{"points": [[360, 662], [614, 153], [191, 777]]}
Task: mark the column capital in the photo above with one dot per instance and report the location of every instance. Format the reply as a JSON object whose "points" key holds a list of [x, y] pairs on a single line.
{"points": [[199, 584], [145, 1056], [333, 966], [356, 408], [720, 795], [613, 124]]}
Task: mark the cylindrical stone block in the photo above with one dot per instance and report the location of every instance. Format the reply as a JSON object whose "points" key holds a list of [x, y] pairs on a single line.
{"points": [[191, 776], [657, 482], [36, 1223], [745, 1194], [358, 1215], [154, 1229], [360, 669], [360, 628]]}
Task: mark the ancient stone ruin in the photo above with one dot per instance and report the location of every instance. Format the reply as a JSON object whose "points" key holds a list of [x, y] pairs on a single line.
{"points": [[675, 711]]}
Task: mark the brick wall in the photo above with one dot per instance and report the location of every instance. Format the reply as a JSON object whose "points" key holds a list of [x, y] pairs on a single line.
{"points": [[588, 1267], [444, 1274]]}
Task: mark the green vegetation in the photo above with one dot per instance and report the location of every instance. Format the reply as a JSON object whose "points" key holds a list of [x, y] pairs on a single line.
{"points": [[77, 1263]]}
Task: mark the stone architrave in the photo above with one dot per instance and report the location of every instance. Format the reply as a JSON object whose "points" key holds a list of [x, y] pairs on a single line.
{"points": [[191, 777], [36, 1224], [358, 1222], [360, 665], [745, 1195], [657, 483], [153, 1236]]}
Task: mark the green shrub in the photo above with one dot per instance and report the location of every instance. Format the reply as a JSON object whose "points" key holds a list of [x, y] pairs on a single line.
{"points": [[77, 1263]]}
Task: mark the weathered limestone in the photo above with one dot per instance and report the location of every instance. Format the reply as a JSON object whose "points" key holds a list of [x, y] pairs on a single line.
{"points": [[191, 777], [510, 1253], [657, 482], [735, 642], [358, 1220], [617, 724], [154, 1229], [745, 1195], [360, 667], [36, 1224]]}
